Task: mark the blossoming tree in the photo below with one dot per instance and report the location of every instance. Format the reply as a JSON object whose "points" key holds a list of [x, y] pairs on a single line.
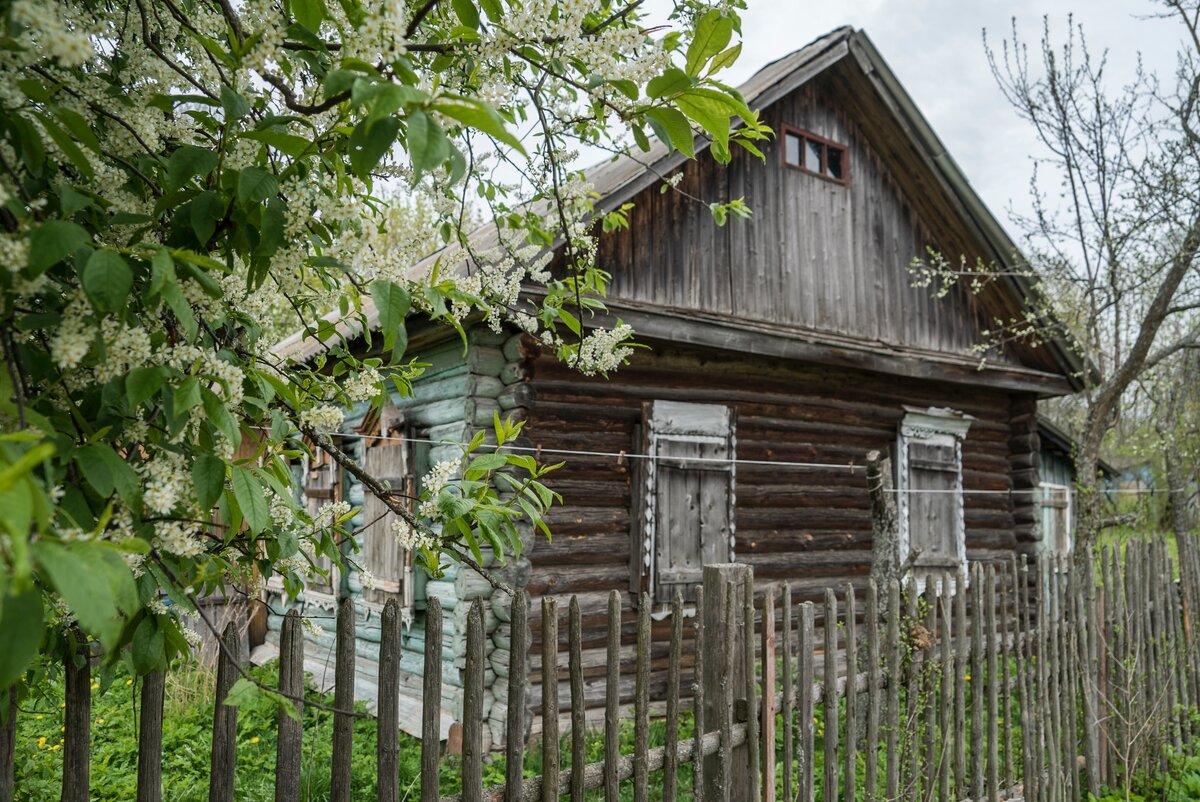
{"points": [[173, 173]]}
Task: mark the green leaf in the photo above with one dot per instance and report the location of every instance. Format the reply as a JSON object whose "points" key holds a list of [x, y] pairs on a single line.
{"points": [[478, 115], [249, 494], [105, 470], [206, 211], [243, 692], [142, 383], [95, 582], [24, 464], [493, 9], [53, 241], [392, 302], [234, 104], [674, 129], [725, 58], [107, 280], [309, 13], [208, 476], [255, 185], [427, 143], [148, 648], [186, 163], [466, 11], [67, 145], [713, 33], [369, 142], [290, 144], [670, 83], [21, 623], [218, 415], [710, 115], [488, 462]]}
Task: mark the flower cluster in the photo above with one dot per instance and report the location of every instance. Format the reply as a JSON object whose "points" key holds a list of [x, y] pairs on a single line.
{"points": [[410, 538]]}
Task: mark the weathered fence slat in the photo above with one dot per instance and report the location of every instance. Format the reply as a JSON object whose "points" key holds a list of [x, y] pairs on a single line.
{"points": [[224, 736], [789, 691], [993, 687], [850, 750], [431, 701], [8, 744], [806, 740], [946, 697], [930, 685], [767, 726], [289, 742], [892, 782], [472, 749], [514, 736], [387, 740], [551, 764], [978, 779], [670, 759], [912, 730], [830, 697], [874, 685], [150, 737], [698, 679], [641, 705], [612, 700], [726, 647], [578, 712], [343, 699], [961, 654], [753, 747], [1006, 681]]}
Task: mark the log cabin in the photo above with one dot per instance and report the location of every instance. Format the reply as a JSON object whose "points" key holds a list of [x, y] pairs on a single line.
{"points": [[781, 350]]}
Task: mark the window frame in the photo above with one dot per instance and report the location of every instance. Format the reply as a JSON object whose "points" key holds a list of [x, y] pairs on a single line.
{"points": [[931, 426], [825, 143], [660, 426], [1068, 534]]}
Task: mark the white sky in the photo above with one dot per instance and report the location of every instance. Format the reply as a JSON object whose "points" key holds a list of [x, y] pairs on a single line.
{"points": [[935, 48]]}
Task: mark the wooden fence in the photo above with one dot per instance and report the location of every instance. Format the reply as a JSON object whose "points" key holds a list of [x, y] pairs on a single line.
{"points": [[1040, 682]]}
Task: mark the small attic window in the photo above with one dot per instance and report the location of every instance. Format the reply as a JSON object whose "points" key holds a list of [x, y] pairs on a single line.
{"points": [[815, 155]]}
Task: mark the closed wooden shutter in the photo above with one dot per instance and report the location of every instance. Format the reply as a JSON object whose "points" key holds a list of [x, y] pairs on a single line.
{"points": [[322, 485], [933, 505], [1056, 519], [691, 513], [381, 554]]}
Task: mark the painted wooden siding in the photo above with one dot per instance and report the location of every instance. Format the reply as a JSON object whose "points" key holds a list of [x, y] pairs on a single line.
{"points": [[810, 526], [817, 255]]}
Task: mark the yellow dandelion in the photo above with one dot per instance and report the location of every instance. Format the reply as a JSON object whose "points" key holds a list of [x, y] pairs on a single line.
{"points": [[39, 718], [128, 682], [62, 705], [967, 677], [255, 739], [99, 721], [42, 742], [56, 747]]}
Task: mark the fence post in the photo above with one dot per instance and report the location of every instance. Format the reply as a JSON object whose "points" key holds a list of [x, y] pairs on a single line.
{"points": [[343, 700], [290, 738], [77, 735], [224, 737], [720, 641], [150, 738]]}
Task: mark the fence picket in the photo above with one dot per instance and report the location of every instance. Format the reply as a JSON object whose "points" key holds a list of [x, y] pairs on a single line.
{"points": [[641, 719], [698, 680], [290, 738], [343, 700], [551, 764], [993, 689], [789, 698], [961, 653], [612, 700], [150, 738], [805, 763], [830, 697], [850, 751], [578, 705], [929, 687], [946, 699], [671, 755], [767, 727], [514, 735], [472, 749], [753, 747], [874, 684], [978, 744], [224, 737], [8, 744], [892, 782]]}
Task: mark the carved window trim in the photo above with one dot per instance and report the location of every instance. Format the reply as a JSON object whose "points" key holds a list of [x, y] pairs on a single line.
{"points": [[931, 426]]}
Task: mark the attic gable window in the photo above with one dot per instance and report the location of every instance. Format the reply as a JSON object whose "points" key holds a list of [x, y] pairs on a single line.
{"points": [[815, 155]]}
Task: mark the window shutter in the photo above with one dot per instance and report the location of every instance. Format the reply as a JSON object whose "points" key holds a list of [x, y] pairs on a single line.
{"points": [[322, 485], [1056, 519], [381, 554], [933, 516], [689, 515]]}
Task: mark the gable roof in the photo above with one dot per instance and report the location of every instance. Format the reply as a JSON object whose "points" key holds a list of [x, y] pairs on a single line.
{"points": [[618, 180]]}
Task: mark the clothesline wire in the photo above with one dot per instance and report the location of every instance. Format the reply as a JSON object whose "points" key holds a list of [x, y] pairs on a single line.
{"points": [[625, 455]]}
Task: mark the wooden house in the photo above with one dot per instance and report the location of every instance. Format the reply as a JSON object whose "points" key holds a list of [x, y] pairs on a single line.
{"points": [[782, 350]]}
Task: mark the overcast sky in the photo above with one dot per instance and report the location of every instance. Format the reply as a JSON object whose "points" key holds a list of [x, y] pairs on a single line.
{"points": [[935, 48]]}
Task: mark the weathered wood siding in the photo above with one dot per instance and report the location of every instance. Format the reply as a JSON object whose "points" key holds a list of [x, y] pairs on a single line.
{"points": [[810, 526], [817, 255]]}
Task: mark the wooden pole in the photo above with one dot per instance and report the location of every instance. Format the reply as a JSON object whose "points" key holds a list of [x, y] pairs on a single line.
{"points": [[767, 726], [724, 638], [387, 734], [550, 752], [431, 702], [671, 758], [612, 700], [830, 697], [8, 744], [289, 744], [150, 738], [224, 732], [343, 700], [578, 703], [850, 752], [472, 749], [806, 748], [514, 737], [874, 689], [641, 705], [789, 699]]}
